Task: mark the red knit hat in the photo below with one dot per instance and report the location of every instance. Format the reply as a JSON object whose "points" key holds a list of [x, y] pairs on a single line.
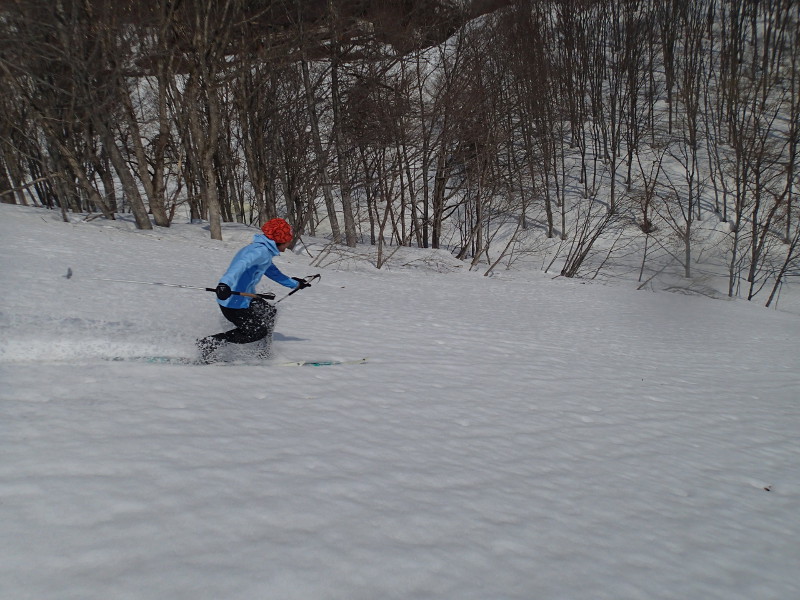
{"points": [[278, 230]]}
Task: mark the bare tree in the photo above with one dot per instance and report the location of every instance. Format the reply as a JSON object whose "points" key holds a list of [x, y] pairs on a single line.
{"points": [[45, 68], [13, 143], [203, 30]]}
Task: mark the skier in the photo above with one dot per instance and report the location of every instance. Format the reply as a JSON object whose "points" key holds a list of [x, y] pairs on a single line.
{"points": [[254, 318]]}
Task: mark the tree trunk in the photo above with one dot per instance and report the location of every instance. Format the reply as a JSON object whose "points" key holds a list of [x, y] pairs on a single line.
{"points": [[128, 182], [322, 157], [204, 145], [341, 160]]}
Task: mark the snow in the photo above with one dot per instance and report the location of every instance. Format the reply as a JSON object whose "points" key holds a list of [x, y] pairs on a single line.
{"points": [[511, 437]]}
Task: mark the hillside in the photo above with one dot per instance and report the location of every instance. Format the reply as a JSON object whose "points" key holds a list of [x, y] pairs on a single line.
{"points": [[511, 437]]}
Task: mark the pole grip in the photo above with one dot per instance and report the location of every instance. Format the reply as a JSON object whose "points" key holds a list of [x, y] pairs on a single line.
{"points": [[269, 296]]}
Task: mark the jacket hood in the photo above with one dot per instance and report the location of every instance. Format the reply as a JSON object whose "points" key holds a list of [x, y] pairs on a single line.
{"points": [[263, 240]]}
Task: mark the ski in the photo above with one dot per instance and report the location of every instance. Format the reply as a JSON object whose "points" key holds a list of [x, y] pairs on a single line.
{"points": [[182, 360], [155, 359], [321, 363]]}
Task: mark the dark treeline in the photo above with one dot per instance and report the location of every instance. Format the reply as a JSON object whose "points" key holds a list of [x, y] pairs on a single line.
{"points": [[436, 124]]}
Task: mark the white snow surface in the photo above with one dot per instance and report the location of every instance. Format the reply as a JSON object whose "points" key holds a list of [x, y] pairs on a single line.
{"points": [[511, 437]]}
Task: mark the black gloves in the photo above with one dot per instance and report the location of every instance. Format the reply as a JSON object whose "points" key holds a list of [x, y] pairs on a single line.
{"points": [[223, 291], [302, 283]]}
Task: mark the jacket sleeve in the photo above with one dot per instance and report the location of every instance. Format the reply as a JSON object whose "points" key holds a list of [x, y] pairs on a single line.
{"points": [[243, 260], [277, 276]]}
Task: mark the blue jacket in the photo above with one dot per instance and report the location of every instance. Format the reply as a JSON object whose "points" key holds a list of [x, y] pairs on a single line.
{"points": [[247, 268]]}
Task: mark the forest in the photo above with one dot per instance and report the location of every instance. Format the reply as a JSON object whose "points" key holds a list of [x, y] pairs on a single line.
{"points": [[484, 128]]}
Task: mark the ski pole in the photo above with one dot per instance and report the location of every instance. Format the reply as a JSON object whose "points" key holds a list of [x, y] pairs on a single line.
{"points": [[308, 279], [267, 296]]}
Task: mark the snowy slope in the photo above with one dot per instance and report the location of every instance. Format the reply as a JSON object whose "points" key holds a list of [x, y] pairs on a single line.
{"points": [[513, 437]]}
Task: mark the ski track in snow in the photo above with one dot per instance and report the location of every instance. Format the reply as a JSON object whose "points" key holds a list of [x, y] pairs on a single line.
{"points": [[509, 438]]}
